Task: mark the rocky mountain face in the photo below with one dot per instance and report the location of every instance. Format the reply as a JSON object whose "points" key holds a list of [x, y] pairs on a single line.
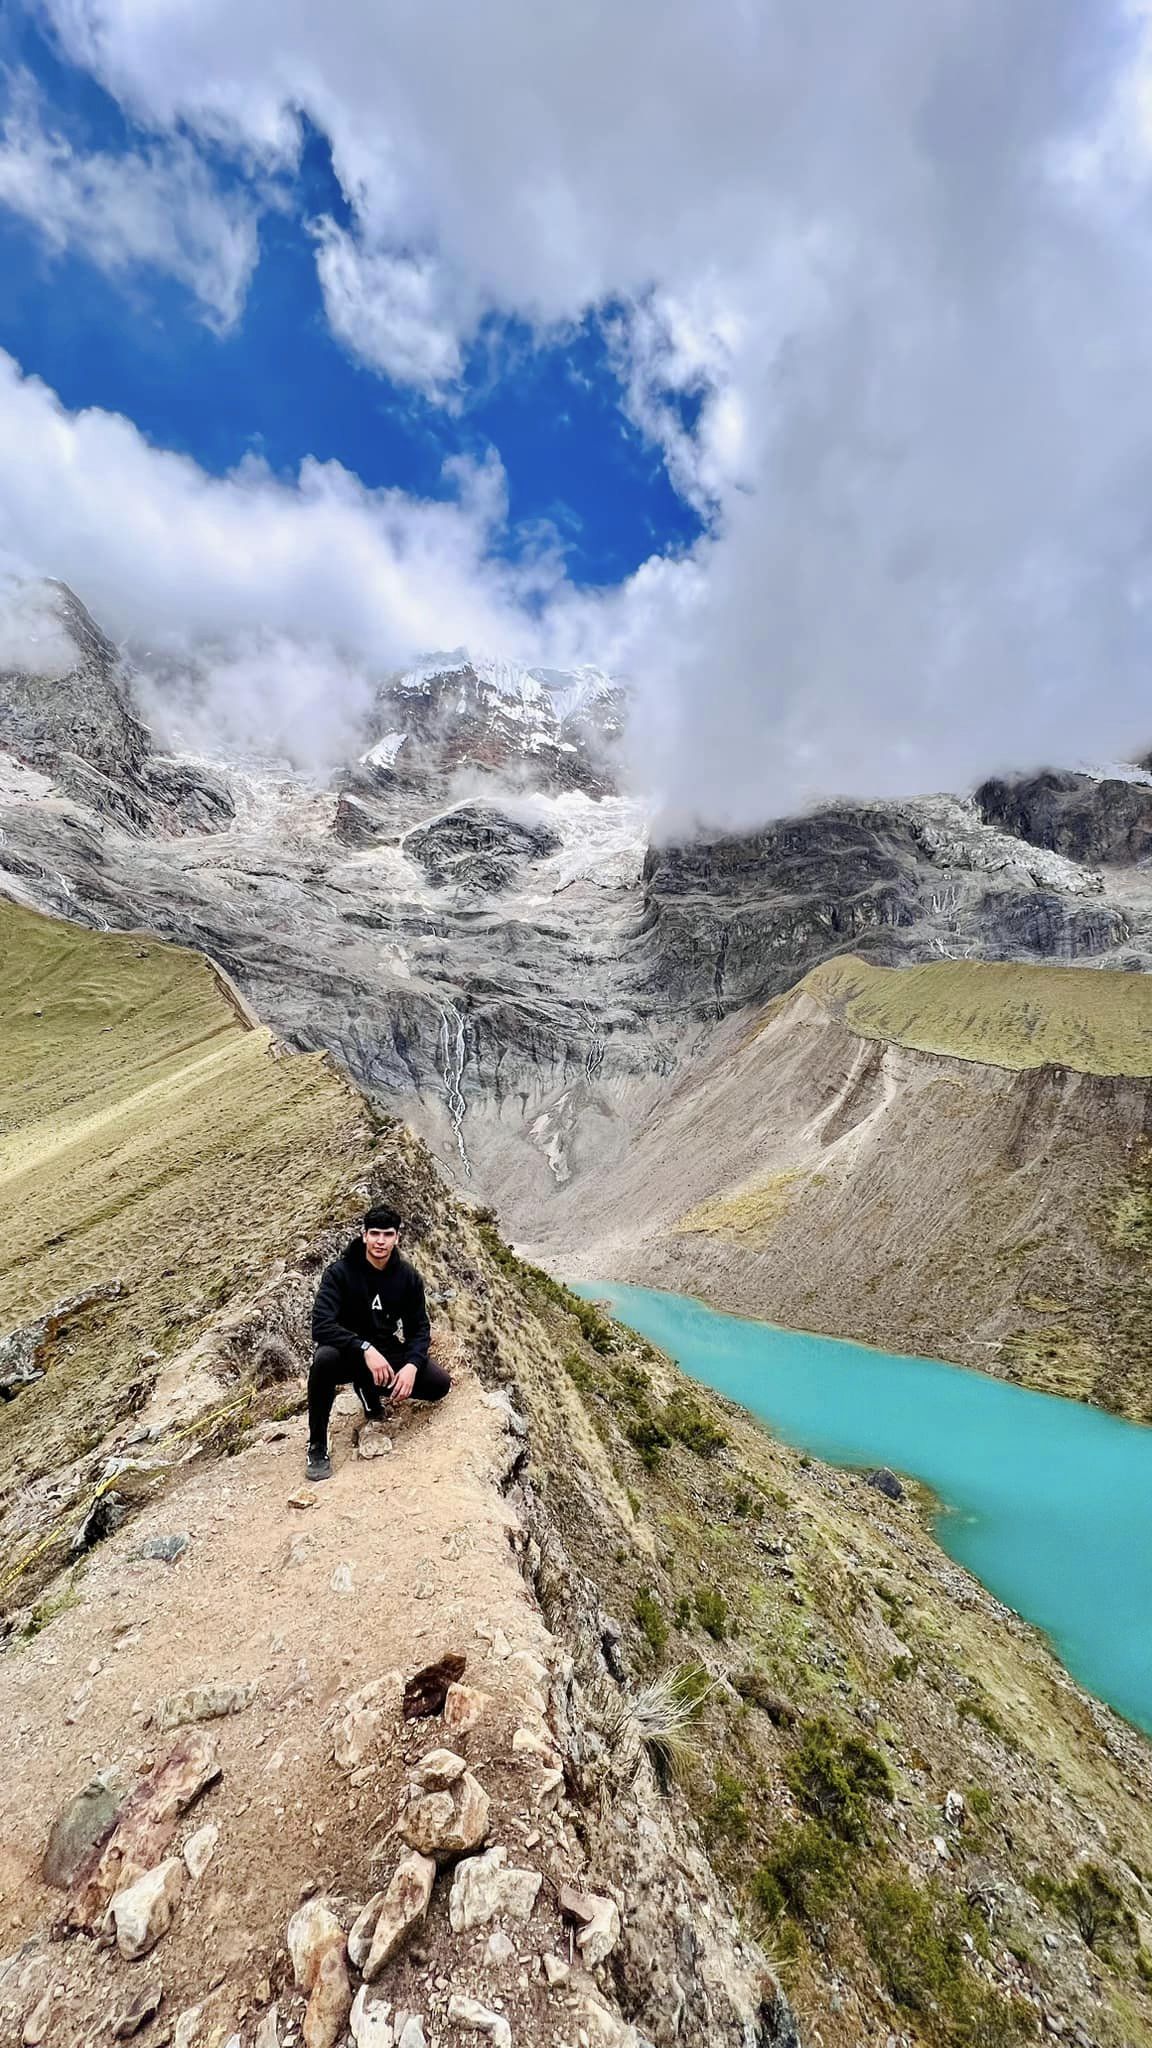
{"points": [[469, 914]]}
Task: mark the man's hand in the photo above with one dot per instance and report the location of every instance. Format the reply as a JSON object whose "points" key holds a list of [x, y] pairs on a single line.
{"points": [[379, 1367], [403, 1383]]}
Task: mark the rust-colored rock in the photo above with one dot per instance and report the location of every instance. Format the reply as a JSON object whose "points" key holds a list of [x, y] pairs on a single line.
{"points": [[144, 1829]]}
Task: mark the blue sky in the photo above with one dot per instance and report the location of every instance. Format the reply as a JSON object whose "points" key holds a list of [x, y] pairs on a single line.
{"points": [[790, 362], [579, 472]]}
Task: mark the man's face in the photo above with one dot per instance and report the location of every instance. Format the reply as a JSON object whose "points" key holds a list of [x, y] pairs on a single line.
{"points": [[380, 1245]]}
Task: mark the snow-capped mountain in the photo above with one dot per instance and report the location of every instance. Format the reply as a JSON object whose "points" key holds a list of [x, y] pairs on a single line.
{"points": [[553, 728]]}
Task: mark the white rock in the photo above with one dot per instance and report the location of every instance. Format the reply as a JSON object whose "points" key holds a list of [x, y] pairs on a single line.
{"points": [[364, 1715], [374, 1443], [535, 1743], [599, 1936], [404, 1906], [187, 2027], [463, 1707], [499, 1948], [484, 1889], [341, 1580], [439, 1769], [371, 2024], [143, 1911], [555, 1969], [468, 2012], [448, 1824], [363, 1928], [268, 2032], [955, 1809], [412, 2033], [200, 1848], [312, 1931]]}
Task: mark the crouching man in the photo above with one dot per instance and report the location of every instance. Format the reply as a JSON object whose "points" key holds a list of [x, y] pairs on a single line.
{"points": [[370, 1327]]}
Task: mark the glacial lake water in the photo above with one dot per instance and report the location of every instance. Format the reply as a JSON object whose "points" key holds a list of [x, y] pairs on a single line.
{"points": [[1048, 1502]]}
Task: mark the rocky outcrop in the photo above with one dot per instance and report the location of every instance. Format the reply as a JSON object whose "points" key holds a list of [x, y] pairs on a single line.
{"points": [[1089, 818], [478, 848]]}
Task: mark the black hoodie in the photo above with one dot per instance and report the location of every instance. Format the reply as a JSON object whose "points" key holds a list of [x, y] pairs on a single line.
{"points": [[355, 1301]]}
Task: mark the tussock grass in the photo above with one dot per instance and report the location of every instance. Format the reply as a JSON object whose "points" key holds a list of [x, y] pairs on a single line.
{"points": [[1000, 1013]]}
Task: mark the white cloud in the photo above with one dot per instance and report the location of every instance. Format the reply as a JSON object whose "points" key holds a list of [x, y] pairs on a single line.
{"points": [[290, 595], [391, 308], [157, 208], [897, 252]]}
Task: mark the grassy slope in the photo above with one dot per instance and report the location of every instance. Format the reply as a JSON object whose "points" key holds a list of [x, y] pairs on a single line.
{"points": [[770, 1576], [147, 1136], [1001, 1013]]}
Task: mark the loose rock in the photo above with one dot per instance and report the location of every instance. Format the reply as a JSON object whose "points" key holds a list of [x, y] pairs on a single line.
{"points": [[468, 2012], [463, 1707], [312, 1931], [484, 1889], [365, 1713], [404, 1907], [200, 1848], [144, 2007], [371, 2023], [600, 1922], [886, 1483], [201, 1703], [439, 1769], [268, 2032], [78, 1827], [331, 2000], [556, 1970], [448, 1824], [363, 1928], [143, 1913], [165, 1549]]}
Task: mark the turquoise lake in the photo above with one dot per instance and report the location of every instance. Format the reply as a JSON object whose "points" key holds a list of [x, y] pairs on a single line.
{"points": [[1048, 1502]]}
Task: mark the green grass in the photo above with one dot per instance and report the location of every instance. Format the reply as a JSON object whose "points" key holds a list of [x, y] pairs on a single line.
{"points": [[1003, 1014], [148, 1135]]}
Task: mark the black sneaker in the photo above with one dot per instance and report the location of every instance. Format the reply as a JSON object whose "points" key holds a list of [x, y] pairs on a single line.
{"points": [[319, 1464]]}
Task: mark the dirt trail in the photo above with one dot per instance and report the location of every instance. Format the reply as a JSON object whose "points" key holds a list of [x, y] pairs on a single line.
{"points": [[423, 1537]]}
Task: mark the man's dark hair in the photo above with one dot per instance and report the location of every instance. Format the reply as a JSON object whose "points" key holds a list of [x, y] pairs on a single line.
{"points": [[381, 1217]]}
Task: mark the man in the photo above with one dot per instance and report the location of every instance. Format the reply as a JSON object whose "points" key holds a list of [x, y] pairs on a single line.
{"points": [[369, 1326]]}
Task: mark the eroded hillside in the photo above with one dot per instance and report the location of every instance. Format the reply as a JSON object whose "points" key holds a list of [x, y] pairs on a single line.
{"points": [[949, 1159], [698, 1672]]}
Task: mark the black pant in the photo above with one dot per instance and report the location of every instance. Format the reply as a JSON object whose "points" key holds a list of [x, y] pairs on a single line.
{"points": [[332, 1369]]}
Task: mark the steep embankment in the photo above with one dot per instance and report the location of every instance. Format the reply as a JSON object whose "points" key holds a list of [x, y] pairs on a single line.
{"points": [[929, 1825], [948, 1159]]}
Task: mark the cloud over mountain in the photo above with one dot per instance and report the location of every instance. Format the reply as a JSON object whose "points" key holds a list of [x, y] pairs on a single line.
{"points": [[878, 286]]}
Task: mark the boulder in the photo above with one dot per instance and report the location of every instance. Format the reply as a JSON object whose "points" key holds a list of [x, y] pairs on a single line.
{"points": [[363, 1928], [485, 1889], [363, 1719], [78, 1827], [468, 2012], [143, 1913], [463, 1707], [439, 1769], [448, 1824], [405, 1904], [886, 1483], [330, 2001], [312, 1931]]}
